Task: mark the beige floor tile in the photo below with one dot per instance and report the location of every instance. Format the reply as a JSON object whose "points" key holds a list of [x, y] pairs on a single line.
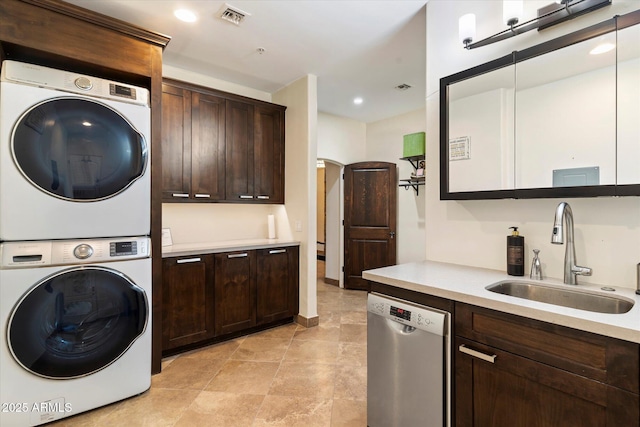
{"points": [[312, 352], [330, 318], [223, 350], [156, 408], [352, 354], [237, 376], [221, 409], [353, 333], [351, 383], [319, 333], [261, 349], [187, 373], [280, 332], [349, 413], [304, 379], [290, 411], [354, 317]]}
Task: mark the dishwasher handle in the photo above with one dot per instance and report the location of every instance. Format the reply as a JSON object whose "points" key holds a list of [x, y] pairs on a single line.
{"points": [[491, 358]]}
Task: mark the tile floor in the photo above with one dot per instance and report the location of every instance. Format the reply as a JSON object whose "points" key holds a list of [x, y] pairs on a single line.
{"points": [[287, 376]]}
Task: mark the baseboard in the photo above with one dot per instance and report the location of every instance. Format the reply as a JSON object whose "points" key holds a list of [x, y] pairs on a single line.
{"points": [[307, 322], [333, 282]]}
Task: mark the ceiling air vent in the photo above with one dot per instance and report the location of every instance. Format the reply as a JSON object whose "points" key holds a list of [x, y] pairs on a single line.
{"points": [[403, 86], [232, 14]]}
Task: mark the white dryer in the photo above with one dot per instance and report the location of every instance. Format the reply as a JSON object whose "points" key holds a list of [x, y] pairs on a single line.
{"points": [[74, 155], [75, 318]]}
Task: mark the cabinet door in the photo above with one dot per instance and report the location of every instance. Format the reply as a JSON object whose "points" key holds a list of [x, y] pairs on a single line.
{"points": [[176, 143], [235, 292], [277, 284], [517, 391], [207, 147], [239, 151], [187, 300], [268, 137]]}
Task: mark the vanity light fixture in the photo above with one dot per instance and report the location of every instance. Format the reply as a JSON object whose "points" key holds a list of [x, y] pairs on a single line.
{"points": [[552, 14]]}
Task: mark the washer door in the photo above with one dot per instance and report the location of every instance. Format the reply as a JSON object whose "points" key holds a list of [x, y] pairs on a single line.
{"points": [[78, 149], [76, 322]]}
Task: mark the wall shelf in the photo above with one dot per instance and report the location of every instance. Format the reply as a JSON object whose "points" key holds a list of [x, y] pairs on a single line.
{"points": [[415, 181]]}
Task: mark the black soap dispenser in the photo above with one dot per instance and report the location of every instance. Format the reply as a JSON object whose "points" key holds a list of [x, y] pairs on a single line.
{"points": [[515, 253]]}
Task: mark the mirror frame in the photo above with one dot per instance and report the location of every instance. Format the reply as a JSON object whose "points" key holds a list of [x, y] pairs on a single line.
{"points": [[614, 24]]}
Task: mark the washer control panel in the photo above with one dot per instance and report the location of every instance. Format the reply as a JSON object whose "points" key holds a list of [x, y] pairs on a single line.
{"points": [[410, 314], [62, 252]]}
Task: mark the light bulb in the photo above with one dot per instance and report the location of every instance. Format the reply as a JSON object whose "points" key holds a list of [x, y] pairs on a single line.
{"points": [[467, 28], [511, 11]]}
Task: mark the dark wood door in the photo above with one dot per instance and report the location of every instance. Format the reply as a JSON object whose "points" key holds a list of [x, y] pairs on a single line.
{"points": [[515, 391], [187, 300], [235, 291], [277, 284], [176, 143], [369, 219], [268, 141], [239, 151], [207, 147]]}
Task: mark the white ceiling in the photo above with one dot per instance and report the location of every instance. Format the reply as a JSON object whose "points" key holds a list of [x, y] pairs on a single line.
{"points": [[355, 48]]}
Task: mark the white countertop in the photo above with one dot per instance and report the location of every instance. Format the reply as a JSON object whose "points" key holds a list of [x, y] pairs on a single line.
{"points": [[467, 284], [203, 248]]}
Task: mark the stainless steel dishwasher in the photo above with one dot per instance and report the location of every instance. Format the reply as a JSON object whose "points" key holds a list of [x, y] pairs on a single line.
{"points": [[408, 364]]}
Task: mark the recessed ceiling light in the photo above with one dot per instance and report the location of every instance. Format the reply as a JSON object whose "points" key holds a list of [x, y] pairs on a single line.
{"points": [[358, 100], [602, 48], [86, 123], [185, 15]]}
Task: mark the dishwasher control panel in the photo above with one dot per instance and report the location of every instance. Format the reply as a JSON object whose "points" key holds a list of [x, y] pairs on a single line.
{"points": [[408, 313]]}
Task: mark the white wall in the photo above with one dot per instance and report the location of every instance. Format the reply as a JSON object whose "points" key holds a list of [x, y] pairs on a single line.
{"points": [[341, 140], [301, 124], [385, 143], [473, 232]]}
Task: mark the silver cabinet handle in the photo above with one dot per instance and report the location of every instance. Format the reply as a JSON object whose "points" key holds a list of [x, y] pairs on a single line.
{"points": [[186, 260], [180, 195], [486, 357], [263, 197], [277, 251], [238, 255], [243, 196], [203, 196]]}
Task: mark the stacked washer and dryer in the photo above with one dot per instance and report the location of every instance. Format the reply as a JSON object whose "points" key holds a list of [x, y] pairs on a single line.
{"points": [[75, 265]]}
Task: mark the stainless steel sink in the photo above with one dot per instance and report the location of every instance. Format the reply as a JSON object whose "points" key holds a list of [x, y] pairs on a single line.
{"points": [[579, 299]]}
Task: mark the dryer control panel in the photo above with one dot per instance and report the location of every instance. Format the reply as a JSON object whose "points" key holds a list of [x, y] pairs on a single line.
{"points": [[64, 252]]}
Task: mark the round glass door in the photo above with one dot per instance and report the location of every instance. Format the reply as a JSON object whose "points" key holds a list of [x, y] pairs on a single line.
{"points": [[77, 149], [76, 322]]}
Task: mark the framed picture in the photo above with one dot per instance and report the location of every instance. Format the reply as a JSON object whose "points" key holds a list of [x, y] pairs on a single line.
{"points": [[420, 170]]}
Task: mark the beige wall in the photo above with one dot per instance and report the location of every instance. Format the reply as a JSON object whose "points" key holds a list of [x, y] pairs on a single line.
{"points": [[301, 124], [607, 230], [320, 205]]}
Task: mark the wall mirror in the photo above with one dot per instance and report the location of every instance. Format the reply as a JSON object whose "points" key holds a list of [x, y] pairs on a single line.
{"points": [[555, 120]]}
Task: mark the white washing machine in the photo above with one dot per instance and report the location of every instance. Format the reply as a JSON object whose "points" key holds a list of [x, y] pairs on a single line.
{"points": [[75, 318], [74, 156]]}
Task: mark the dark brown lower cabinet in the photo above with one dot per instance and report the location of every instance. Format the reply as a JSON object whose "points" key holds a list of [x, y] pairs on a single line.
{"points": [[276, 282], [187, 300], [513, 371], [210, 298], [235, 293]]}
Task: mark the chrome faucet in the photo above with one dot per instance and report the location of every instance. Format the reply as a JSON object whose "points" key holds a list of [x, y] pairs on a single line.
{"points": [[571, 270]]}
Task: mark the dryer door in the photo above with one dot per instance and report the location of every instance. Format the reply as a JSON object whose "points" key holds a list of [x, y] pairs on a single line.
{"points": [[78, 149], [76, 322]]}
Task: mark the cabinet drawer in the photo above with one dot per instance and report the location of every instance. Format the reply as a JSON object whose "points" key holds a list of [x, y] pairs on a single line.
{"points": [[601, 358]]}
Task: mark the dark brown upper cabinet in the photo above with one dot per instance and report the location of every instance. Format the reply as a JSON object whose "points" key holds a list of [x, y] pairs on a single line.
{"points": [[219, 147], [553, 120]]}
